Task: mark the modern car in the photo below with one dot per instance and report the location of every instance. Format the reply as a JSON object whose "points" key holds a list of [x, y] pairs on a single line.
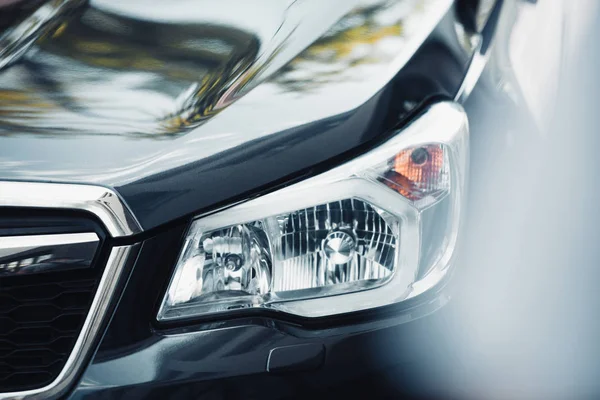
{"points": [[254, 199]]}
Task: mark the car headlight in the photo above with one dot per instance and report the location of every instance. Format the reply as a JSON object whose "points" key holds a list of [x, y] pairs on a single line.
{"points": [[374, 231]]}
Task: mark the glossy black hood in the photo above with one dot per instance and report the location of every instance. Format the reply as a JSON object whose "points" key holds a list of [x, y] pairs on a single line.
{"points": [[182, 112]]}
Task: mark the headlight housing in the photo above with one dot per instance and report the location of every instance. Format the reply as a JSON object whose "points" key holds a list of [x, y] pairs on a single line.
{"points": [[374, 231]]}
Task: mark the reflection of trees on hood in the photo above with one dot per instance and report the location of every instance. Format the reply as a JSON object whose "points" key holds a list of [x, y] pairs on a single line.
{"points": [[105, 73], [14, 11], [354, 40]]}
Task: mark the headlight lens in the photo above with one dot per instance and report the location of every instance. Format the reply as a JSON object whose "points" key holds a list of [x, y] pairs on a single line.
{"points": [[317, 248], [338, 243]]}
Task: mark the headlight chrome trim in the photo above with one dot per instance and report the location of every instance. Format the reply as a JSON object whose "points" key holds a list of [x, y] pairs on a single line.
{"points": [[444, 123]]}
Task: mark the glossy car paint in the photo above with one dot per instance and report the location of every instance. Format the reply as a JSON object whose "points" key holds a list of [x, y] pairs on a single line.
{"points": [[177, 131], [166, 176]]}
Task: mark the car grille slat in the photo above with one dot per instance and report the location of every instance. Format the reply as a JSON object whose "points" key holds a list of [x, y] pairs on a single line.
{"points": [[40, 319]]}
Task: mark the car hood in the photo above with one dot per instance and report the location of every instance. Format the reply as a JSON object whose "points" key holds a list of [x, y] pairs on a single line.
{"points": [[187, 105]]}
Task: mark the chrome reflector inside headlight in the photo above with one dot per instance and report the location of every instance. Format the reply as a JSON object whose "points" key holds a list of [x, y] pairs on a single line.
{"points": [[347, 242], [374, 231]]}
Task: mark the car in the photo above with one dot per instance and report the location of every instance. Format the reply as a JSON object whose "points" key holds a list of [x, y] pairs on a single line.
{"points": [[251, 199]]}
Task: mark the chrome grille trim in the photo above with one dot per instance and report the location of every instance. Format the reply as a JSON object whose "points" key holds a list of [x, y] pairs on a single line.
{"points": [[104, 203], [31, 254], [118, 220], [91, 328]]}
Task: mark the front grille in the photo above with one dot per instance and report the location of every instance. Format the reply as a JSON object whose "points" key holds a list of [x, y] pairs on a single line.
{"points": [[40, 319], [53, 252]]}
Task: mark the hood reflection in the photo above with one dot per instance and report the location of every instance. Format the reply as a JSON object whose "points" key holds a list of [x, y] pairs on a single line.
{"points": [[111, 73], [159, 70]]}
